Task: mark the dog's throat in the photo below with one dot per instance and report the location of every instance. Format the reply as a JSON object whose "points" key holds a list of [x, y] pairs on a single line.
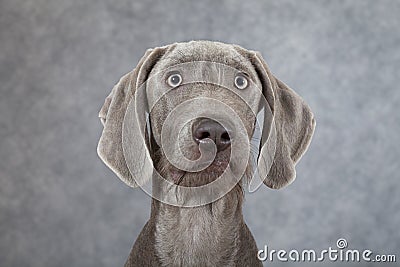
{"points": [[199, 236]]}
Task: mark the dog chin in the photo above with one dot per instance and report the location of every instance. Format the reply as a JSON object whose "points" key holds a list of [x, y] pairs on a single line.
{"points": [[208, 175], [216, 168]]}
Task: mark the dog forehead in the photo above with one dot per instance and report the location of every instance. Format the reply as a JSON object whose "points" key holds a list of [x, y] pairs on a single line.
{"points": [[206, 50], [203, 51]]}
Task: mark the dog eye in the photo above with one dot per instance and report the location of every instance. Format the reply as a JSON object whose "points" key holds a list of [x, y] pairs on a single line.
{"points": [[240, 82], [174, 80]]}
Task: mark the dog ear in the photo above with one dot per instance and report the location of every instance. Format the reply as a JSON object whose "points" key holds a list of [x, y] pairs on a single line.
{"points": [[288, 128], [110, 147]]}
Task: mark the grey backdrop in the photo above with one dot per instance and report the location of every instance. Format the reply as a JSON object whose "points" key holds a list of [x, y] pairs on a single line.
{"points": [[60, 206]]}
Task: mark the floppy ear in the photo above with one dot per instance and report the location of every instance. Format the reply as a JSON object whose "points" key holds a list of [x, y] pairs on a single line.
{"points": [[110, 147], [291, 126]]}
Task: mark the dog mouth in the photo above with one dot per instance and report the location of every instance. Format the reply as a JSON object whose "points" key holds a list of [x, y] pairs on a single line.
{"points": [[218, 166], [209, 174]]}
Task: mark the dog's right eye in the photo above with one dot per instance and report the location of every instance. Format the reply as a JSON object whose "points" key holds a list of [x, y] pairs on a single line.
{"points": [[174, 80]]}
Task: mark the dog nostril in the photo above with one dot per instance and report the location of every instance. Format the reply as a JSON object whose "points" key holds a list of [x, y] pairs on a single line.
{"points": [[224, 141], [201, 134], [225, 137], [204, 135]]}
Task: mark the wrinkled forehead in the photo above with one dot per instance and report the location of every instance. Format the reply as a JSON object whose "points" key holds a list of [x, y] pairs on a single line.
{"points": [[205, 51], [212, 64]]}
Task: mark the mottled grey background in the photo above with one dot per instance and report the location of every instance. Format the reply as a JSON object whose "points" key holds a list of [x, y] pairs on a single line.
{"points": [[60, 206]]}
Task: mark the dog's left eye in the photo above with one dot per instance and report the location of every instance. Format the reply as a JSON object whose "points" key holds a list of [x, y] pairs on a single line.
{"points": [[174, 80], [241, 82]]}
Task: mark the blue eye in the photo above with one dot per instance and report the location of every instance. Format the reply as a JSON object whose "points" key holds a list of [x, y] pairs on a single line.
{"points": [[174, 80], [241, 82]]}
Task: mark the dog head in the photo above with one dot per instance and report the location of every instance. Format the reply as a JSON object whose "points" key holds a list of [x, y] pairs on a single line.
{"points": [[190, 110]]}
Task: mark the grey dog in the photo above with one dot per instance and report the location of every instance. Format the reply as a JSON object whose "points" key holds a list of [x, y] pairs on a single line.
{"points": [[212, 233]]}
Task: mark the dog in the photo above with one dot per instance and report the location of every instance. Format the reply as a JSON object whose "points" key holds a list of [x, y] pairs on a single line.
{"points": [[185, 118]]}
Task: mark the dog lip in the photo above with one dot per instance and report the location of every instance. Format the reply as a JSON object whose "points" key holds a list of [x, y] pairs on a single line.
{"points": [[220, 162], [218, 165], [177, 175]]}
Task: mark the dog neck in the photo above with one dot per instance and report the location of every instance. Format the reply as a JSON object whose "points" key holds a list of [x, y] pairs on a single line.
{"points": [[199, 235]]}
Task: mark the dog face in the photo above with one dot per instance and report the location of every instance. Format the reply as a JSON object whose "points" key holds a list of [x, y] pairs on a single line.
{"points": [[202, 99], [201, 75]]}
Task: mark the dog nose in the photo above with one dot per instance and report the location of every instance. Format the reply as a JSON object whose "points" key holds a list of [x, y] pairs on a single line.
{"points": [[214, 131]]}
